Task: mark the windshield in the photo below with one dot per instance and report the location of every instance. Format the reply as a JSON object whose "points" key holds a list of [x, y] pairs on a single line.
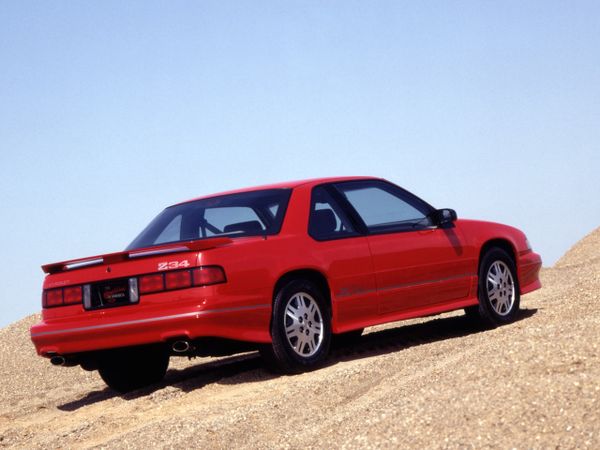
{"points": [[253, 213]]}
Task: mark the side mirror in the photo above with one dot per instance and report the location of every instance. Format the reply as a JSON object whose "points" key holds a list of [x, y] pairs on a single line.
{"points": [[444, 218]]}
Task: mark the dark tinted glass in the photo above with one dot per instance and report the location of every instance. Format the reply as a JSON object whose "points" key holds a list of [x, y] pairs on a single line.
{"points": [[246, 214], [327, 219], [385, 207]]}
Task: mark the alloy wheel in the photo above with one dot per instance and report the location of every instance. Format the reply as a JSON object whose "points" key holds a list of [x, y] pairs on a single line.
{"points": [[304, 324], [500, 288]]}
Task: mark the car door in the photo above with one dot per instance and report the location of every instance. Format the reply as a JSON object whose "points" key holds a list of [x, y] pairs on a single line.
{"points": [[345, 253], [416, 263]]}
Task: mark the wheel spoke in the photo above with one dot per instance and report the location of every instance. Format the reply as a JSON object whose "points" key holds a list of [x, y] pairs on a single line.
{"points": [[291, 314], [494, 270], [292, 330], [300, 344], [492, 279], [302, 302], [499, 269], [503, 270]]}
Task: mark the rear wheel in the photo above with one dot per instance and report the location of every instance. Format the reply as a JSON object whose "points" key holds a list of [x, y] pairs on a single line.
{"points": [[498, 291], [300, 328], [127, 369]]}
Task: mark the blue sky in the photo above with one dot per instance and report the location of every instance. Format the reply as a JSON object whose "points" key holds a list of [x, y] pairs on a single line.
{"points": [[111, 110]]}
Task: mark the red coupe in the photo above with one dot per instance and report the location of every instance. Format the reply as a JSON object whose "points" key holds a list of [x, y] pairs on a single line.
{"points": [[280, 268]]}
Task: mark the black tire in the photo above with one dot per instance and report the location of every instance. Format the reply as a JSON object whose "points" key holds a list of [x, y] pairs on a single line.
{"points": [[295, 353], [498, 289], [127, 369]]}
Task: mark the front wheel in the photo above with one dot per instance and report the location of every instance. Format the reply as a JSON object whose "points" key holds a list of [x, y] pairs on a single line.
{"points": [[300, 328], [499, 296]]}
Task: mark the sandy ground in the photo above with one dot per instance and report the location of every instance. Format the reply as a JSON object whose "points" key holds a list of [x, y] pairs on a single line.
{"points": [[434, 383]]}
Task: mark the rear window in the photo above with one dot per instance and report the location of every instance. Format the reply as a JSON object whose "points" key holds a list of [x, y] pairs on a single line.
{"points": [[247, 214]]}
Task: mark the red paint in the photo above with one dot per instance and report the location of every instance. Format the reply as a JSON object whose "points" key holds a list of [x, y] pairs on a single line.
{"points": [[372, 279]]}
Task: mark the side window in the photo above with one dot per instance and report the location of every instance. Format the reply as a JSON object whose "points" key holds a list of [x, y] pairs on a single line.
{"points": [[327, 220], [384, 207], [171, 233]]}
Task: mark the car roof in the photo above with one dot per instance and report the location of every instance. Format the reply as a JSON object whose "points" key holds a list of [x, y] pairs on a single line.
{"points": [[284, 185]]}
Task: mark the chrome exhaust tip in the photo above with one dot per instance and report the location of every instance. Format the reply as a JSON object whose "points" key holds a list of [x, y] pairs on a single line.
{"points": [[57, 360], [180, 346]]}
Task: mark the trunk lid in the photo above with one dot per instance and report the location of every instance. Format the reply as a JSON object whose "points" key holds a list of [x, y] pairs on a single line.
{"points": [[128, 263]]}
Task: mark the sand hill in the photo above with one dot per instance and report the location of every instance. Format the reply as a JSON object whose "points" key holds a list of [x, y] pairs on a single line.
{"points": [[431, 383]]}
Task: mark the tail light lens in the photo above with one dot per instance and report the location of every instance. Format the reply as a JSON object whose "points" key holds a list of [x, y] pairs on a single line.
{"points": [[178, 280], [151, 283], [53, 297], [206, 275], [145, 284], [72, 295], [181, 279]]}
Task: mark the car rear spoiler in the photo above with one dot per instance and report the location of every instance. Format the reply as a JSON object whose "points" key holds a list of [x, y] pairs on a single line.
{"points": [[111, 258]]}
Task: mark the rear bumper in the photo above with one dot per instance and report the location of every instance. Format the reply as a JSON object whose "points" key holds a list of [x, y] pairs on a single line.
{"points": [[244, 322], [529, 266]]}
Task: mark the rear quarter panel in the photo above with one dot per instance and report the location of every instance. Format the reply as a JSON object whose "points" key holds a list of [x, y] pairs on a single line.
{"points": [[254, 265]]}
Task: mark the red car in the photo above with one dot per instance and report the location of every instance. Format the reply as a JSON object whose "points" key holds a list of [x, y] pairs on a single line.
{"points": [[280, 268]]}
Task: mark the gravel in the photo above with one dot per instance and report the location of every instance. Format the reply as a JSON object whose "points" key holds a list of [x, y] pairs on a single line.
{"points": [[433, 383]]}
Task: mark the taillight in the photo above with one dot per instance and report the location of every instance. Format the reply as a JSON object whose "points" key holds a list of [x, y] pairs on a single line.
{"points": [[151, 283], [53, 297], [71, 295], [206, 275], [178, 279], [181, 279], [145, 284]]}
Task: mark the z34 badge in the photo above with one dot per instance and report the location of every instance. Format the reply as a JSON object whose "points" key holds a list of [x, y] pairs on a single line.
{"points": [[169, 265]]}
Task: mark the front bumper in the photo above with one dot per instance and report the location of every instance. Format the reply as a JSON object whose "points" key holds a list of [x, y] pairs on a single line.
{"points": [[529, 266]]}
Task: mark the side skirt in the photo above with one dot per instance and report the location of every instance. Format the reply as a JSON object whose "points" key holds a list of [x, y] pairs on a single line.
{"points": [[396, 316]]}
